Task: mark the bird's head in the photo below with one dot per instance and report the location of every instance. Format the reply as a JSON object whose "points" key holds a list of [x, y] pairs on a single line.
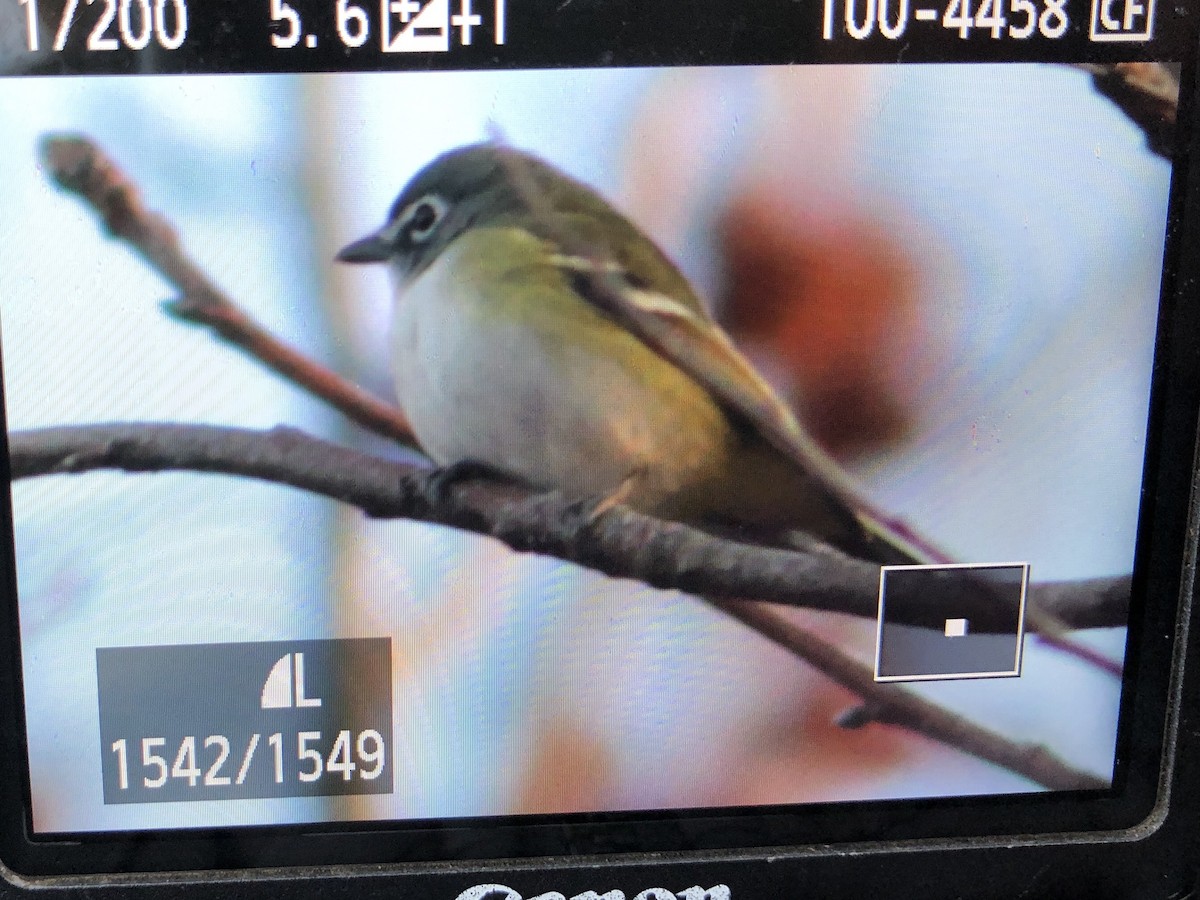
{"points": [[469, 187]]}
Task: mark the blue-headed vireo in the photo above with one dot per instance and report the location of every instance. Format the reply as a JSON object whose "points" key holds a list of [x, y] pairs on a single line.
{"points": [[506, 355]]}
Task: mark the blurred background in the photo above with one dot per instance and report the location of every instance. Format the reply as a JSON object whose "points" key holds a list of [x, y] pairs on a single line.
{"points": [[952, 272]]}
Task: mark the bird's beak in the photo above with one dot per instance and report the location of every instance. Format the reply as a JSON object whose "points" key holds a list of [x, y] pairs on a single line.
{"points": [[373, 248]]}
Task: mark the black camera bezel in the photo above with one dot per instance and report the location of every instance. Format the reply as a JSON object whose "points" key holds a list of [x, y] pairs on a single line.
{"points": [[1141, 822]]}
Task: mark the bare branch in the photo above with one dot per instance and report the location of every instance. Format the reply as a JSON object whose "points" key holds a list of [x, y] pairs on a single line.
{"points": [[618, 542], [79, 166]]}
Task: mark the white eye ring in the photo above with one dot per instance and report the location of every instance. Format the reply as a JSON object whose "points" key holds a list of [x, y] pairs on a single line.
{"points": [[419, 219]]}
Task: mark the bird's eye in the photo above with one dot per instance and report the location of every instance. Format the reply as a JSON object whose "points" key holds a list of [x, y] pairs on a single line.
{"points": [[422, 217]]}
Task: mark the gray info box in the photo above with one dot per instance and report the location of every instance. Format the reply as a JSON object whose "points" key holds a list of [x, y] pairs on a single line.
{"points": [[232, 721], [939, 622]]}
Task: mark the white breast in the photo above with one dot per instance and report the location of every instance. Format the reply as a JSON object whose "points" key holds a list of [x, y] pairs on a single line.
{"points": [[475, 386]]}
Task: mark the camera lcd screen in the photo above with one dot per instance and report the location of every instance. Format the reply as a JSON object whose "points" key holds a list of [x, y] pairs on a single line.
{"points": [[951, 274]]}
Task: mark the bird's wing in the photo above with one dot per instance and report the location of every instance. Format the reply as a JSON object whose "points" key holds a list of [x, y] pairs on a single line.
{"points": [[699, 347]]}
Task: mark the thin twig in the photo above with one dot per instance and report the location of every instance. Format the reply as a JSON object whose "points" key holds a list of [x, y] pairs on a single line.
{"points": [[615, 542], [79, 166], [898, 706]]}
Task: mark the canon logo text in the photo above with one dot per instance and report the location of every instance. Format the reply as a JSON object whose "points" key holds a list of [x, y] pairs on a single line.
{"points": [[501, 892]]}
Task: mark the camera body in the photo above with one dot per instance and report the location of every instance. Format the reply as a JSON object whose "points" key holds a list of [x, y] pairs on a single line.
{"points": [[271, 630]]}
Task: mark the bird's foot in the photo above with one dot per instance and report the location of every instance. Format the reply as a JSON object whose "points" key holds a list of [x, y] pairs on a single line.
{"points": [[862, 715], [440, 482], [593, 509]]}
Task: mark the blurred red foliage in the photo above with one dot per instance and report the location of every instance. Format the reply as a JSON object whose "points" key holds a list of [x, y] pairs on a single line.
{"points": [[823, 303]]}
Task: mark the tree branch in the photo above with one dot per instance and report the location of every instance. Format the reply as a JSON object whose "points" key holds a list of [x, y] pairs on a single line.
{"points": [[79, 166], [618, 542]]}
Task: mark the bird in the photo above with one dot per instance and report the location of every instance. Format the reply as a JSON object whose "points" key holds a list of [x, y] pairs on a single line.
{"points": [[538, 334]]}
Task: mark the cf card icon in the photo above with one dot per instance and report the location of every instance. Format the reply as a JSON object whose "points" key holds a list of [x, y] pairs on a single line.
{"points": [[1122, 20]]}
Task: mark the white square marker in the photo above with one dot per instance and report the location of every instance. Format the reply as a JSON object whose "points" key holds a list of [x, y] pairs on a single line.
{"points": [[956, 628]]}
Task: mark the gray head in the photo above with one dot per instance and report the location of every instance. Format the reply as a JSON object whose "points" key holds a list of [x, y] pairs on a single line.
{"points": [[464, 188]]}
